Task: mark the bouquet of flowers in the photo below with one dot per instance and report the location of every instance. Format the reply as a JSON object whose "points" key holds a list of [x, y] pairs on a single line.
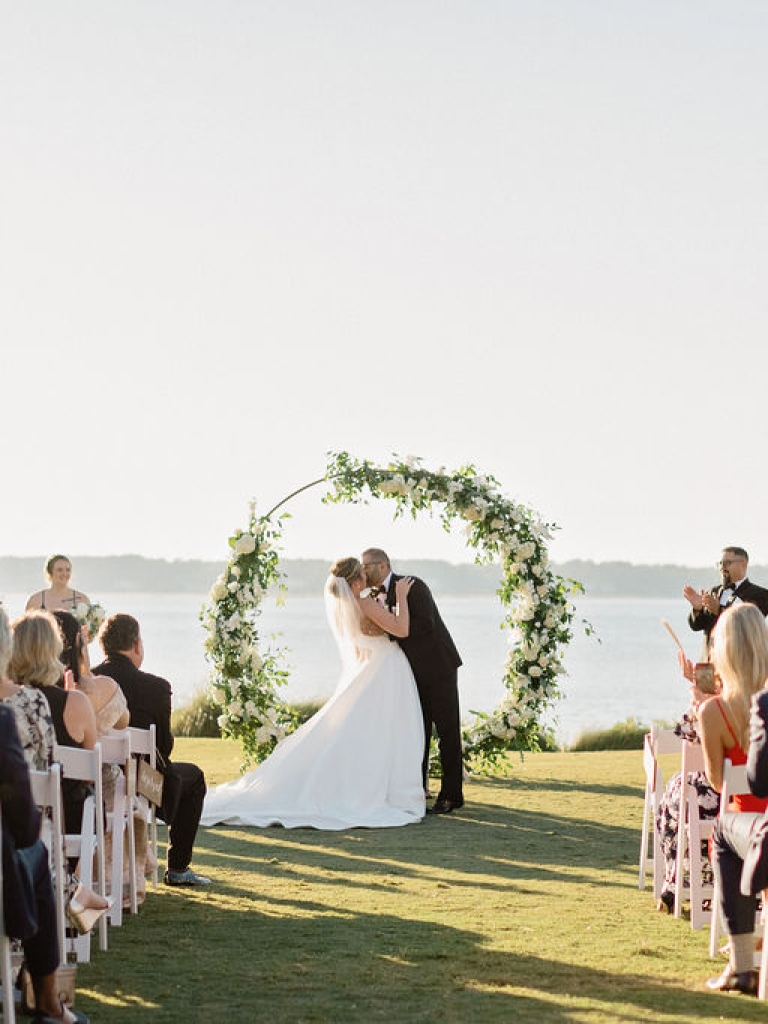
{"points": [[90, 617]]}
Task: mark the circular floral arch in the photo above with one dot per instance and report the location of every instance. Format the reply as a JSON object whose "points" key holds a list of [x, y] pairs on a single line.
{"points": [[538, 614]]}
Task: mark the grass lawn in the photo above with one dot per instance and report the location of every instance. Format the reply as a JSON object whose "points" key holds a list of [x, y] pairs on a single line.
{"points": [[522, 906]]}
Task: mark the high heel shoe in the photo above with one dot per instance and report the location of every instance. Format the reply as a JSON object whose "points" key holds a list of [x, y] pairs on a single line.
{"points": [[666, 904]]}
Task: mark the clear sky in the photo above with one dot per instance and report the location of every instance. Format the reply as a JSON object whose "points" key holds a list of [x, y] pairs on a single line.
{"points": [[237, 234]]}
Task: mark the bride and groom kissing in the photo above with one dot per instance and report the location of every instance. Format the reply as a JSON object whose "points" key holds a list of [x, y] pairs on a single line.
{"points": [[362, 759]]}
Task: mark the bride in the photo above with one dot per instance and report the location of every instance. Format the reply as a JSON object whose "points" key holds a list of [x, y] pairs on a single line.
{"points": [[357, 762]]}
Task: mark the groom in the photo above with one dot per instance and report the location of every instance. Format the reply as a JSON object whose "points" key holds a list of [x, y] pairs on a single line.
{"points": [[434, 660]]}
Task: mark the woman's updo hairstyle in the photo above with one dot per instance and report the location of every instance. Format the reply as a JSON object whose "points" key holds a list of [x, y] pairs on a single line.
{"points": [[72, 638], [348, 569]]}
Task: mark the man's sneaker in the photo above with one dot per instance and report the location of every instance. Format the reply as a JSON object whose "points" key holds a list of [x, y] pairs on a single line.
{"points": [[187, 877]]}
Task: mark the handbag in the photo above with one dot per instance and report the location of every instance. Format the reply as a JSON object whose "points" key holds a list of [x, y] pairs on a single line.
{"points": [[64, 987], [149, 782], [20, 912]]}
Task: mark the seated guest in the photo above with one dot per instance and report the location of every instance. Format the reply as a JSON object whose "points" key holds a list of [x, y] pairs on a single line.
{"points": [[35, 662], [111, 710], [149, 702], [741, 863], [33, 717], [59, 595], [106, 697], [36, 732], [740, 656], [21, 831]]}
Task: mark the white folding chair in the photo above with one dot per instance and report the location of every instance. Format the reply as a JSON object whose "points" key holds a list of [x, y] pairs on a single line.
{"points": [[88, 845], [143, 744], [656, 743], [46, 792], [734, 784], [9, 1007], [691, 832], [116, 750]]}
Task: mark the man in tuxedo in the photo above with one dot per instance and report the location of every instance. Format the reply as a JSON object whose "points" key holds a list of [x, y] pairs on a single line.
{"points": [[741, 862], [149, 703], [434, 661], [707, 605]]}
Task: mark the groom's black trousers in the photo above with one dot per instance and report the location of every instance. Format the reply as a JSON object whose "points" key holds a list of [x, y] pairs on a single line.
{"points": [[440, 707]]}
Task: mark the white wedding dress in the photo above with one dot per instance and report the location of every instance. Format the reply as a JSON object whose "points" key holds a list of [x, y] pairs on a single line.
{"points": [[357, 762]]}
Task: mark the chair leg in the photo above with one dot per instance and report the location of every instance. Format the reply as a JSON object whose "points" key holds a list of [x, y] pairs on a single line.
{"points": [[761, 989], [116, 822], [9, 1009], [643, 864]]}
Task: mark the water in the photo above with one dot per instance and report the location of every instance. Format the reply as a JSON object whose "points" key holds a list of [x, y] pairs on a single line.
{"points": [[630, 669]]}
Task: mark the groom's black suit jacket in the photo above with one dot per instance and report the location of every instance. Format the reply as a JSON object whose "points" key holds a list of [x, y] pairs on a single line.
{"points": [[434, 660], [747, 592], [429, 646]]}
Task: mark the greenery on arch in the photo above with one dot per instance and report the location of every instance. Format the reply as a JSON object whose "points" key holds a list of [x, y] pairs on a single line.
{"points": [[538, 614]]}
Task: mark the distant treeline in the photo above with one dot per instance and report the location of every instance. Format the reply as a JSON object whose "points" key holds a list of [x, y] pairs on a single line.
{"points": [[134, 573]]}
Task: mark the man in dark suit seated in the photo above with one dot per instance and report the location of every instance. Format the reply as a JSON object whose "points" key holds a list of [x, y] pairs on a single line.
{"points": [[741, 862], [21, 832], [708, 605], [149, 703]]}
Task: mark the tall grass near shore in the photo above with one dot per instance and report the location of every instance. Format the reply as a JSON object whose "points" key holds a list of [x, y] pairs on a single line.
{"points": [[524, 906]]}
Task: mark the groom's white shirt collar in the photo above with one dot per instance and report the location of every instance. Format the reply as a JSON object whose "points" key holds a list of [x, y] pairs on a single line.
{"points": [[386, 581]]}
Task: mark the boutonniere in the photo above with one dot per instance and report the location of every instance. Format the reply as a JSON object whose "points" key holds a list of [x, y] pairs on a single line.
{"points": [[371, 592]]}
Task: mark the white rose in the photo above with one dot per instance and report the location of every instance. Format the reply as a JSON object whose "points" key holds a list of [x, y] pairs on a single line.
{"points": [[235, 570], [534, 671], [222, 721], [232, 587], [235, 709], [245, 545], [218, 590]]}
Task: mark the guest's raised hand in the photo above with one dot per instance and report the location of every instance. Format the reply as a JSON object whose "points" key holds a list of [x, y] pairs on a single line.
{"points": [[686, 666]]}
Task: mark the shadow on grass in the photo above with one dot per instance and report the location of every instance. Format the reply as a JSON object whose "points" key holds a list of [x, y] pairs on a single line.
{"points": [[606, 790], [500, 844], [355, 966]]}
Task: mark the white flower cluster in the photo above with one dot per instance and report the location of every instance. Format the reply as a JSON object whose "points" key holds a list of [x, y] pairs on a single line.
{"points": [[244, 679], [90, 617], [539, 618]]}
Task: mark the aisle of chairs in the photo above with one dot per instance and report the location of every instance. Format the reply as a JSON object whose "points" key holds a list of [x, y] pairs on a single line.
{"points": [[119, 880], [690, 888]]}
